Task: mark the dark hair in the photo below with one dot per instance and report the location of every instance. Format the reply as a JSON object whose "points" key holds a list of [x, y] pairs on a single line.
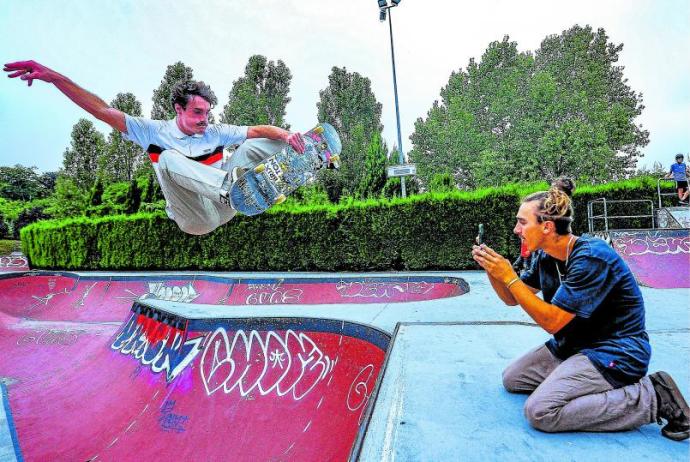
{"points": [[183, 91], [555, 204], [679, 156]]}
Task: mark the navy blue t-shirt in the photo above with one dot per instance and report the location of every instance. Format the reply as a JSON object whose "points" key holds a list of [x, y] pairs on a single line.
{"points": [[609, 324]]}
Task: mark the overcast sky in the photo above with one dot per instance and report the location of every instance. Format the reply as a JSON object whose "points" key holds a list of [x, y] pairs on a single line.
{"points": [[112, 46]]}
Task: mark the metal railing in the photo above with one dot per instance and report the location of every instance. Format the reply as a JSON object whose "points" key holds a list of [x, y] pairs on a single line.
{"points": [[658, 189], [606, 217]]}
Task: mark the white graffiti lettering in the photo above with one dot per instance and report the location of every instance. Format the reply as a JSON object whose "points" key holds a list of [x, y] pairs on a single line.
{"points": [[182, 294], [360, 389], [244, 364], [63, 337], [50, 296], [272, 294], [169, 355], [353, 289], [631, 244], [86, 293]]}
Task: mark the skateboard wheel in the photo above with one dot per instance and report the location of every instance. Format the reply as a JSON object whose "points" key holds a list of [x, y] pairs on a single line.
{"points": [[280, 199], [259, 168], [318, 130]]}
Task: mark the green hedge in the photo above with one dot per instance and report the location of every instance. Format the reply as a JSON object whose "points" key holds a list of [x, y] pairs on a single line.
{"points": [[433, 231]]}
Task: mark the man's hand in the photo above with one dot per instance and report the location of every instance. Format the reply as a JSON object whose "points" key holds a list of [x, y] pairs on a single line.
{"points": [[498, 267], [296, 141], [28, 71]]}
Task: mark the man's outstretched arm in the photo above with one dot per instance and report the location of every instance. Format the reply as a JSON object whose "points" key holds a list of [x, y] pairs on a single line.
{"points": [[31, 70]]}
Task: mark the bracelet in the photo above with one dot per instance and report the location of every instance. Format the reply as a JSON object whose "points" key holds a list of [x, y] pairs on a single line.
{"points": [[512, 281]]}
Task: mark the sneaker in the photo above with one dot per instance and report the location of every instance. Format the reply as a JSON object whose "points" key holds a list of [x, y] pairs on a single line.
{"points": [[230, 178], [236, 173], [671, 406]]}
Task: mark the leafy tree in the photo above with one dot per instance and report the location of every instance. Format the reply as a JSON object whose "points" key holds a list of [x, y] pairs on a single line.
{"points": [[347, 102], [657, 170], [68, 199], [96, 195], [472, 125], [123, 158], [133, 197], [148, 193], [260, 96], [442, 182], [152, 192], [27, 217], [351, 107], [4, 228], [81, 160], [21, 183], [48, 180], [373, 177], [590, 131], [513, 116], [162, 108]]}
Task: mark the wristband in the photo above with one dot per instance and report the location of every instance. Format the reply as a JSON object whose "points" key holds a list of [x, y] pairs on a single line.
{"points": [[512, 281]]}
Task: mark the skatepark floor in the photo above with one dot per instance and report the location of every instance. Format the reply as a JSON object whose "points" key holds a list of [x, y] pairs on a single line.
{"points": [[440, 396]]}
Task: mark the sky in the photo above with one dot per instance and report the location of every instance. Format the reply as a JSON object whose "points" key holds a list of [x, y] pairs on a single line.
{"points": [[113, 46]]}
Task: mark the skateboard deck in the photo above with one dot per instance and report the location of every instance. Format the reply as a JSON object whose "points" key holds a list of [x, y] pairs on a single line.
{"points": [[270, 181]]}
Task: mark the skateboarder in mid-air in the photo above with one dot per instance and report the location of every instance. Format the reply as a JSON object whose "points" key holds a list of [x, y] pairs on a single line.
{"points": [[187, 151]]}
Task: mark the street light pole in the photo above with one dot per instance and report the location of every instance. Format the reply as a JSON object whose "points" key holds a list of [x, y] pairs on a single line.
{"points": [[383, 9], [397, 108]]}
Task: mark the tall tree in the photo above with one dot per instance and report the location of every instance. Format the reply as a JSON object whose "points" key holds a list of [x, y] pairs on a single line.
{"points": [[468, 134], [514, 117], [68, 200], [123, 158], [349, 104], [589, 128], [162, 108], [133, 197], [348, 101], [373, 177], [260, 96], [81, 160]]}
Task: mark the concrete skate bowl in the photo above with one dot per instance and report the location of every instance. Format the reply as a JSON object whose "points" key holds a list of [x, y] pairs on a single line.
{"points": [[216, 389], [658, 258], [69, 293], [90, 373]]}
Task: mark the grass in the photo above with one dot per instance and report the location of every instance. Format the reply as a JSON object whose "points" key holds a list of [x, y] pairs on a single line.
{"points": [[7, 246]]}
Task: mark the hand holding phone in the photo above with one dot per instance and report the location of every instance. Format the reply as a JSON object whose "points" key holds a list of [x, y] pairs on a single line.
{"points": [[480, 237]]}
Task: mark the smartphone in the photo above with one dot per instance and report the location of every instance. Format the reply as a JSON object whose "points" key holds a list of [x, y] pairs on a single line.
{"points": [[480, 235]]}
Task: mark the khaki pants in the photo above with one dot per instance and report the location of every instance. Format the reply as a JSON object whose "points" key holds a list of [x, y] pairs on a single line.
{"points": [[192, 189], [572, 395]]}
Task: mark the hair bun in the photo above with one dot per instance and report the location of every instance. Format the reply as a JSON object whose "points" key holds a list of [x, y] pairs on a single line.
{"points": [[565, 184]]}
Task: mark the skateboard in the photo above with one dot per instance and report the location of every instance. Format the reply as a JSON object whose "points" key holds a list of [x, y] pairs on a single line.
{"points": [[270, 181]]}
